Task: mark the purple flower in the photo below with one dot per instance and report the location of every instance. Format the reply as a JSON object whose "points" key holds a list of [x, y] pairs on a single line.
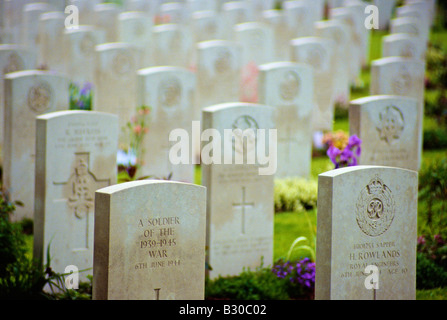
{"points": [[333, 153], [348, 156], [354, 141], [301, 272], [86, 89]]}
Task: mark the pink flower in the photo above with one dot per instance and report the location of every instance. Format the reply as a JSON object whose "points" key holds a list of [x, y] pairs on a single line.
{"points": [[249, 83], [137, 129], [421, 240]]}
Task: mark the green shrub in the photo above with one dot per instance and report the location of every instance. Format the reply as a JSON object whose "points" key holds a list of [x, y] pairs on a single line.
{"points": [[261, 284], [12, 244], [435, 139], [433, 192], [12, 240], [436, 107], [429, 275], [295, 194]]}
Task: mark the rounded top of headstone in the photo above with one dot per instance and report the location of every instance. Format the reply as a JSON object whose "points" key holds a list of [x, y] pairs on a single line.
{"points": [[116, 188], [231, 105], [346, 170], [368, 99], [162, 69], [58, 114]]}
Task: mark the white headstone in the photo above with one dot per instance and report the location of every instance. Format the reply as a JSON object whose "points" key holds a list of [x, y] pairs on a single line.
{"points": [[388, 128], [338, 31], [366, 234], [175, 11], [28, 94], [277, 21], [173, 45], [403, 77], [218, 72], [50, 38], [12, 58], [258, 6], [403, 45], [207, 25], [362, 34], [289, 88], [116, 82], [421, 12], [355, 57], [75, 156], [320, 54], [106, 18], [31, 14], [386, 9], [257, 41], [300, 19], [170, 93], [12, 21], [135, 27], [235, 12], [150, 241], [80, 62], [408, 25], [239, 198], [86, 10]]}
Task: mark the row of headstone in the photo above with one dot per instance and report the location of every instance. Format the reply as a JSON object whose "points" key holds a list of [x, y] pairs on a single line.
{"points": [[390, 121], [75, 155], [161, 227], [117, 66], [142, 237]]}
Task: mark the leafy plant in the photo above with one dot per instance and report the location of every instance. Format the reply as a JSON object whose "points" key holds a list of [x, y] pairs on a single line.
{"points": [[260, 284], [81, 97], [12, 240], [433, 190], [438, 107], [296, 247], [429, 275], [434, 248], [12, 244], [131, 159]]}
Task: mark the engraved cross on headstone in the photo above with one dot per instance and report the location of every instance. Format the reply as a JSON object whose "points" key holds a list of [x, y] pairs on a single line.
{"points": [[79, 191], [242, 205]]}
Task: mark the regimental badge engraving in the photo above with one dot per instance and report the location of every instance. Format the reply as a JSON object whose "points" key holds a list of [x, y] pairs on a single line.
{"points": [[375, 208], [401, 85], [40, 97], [87, 45], [391, 124], [316, 57], [289, 86], [244, 128], [223, 62], [122, 64], [170, 92], [408, 50]]}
